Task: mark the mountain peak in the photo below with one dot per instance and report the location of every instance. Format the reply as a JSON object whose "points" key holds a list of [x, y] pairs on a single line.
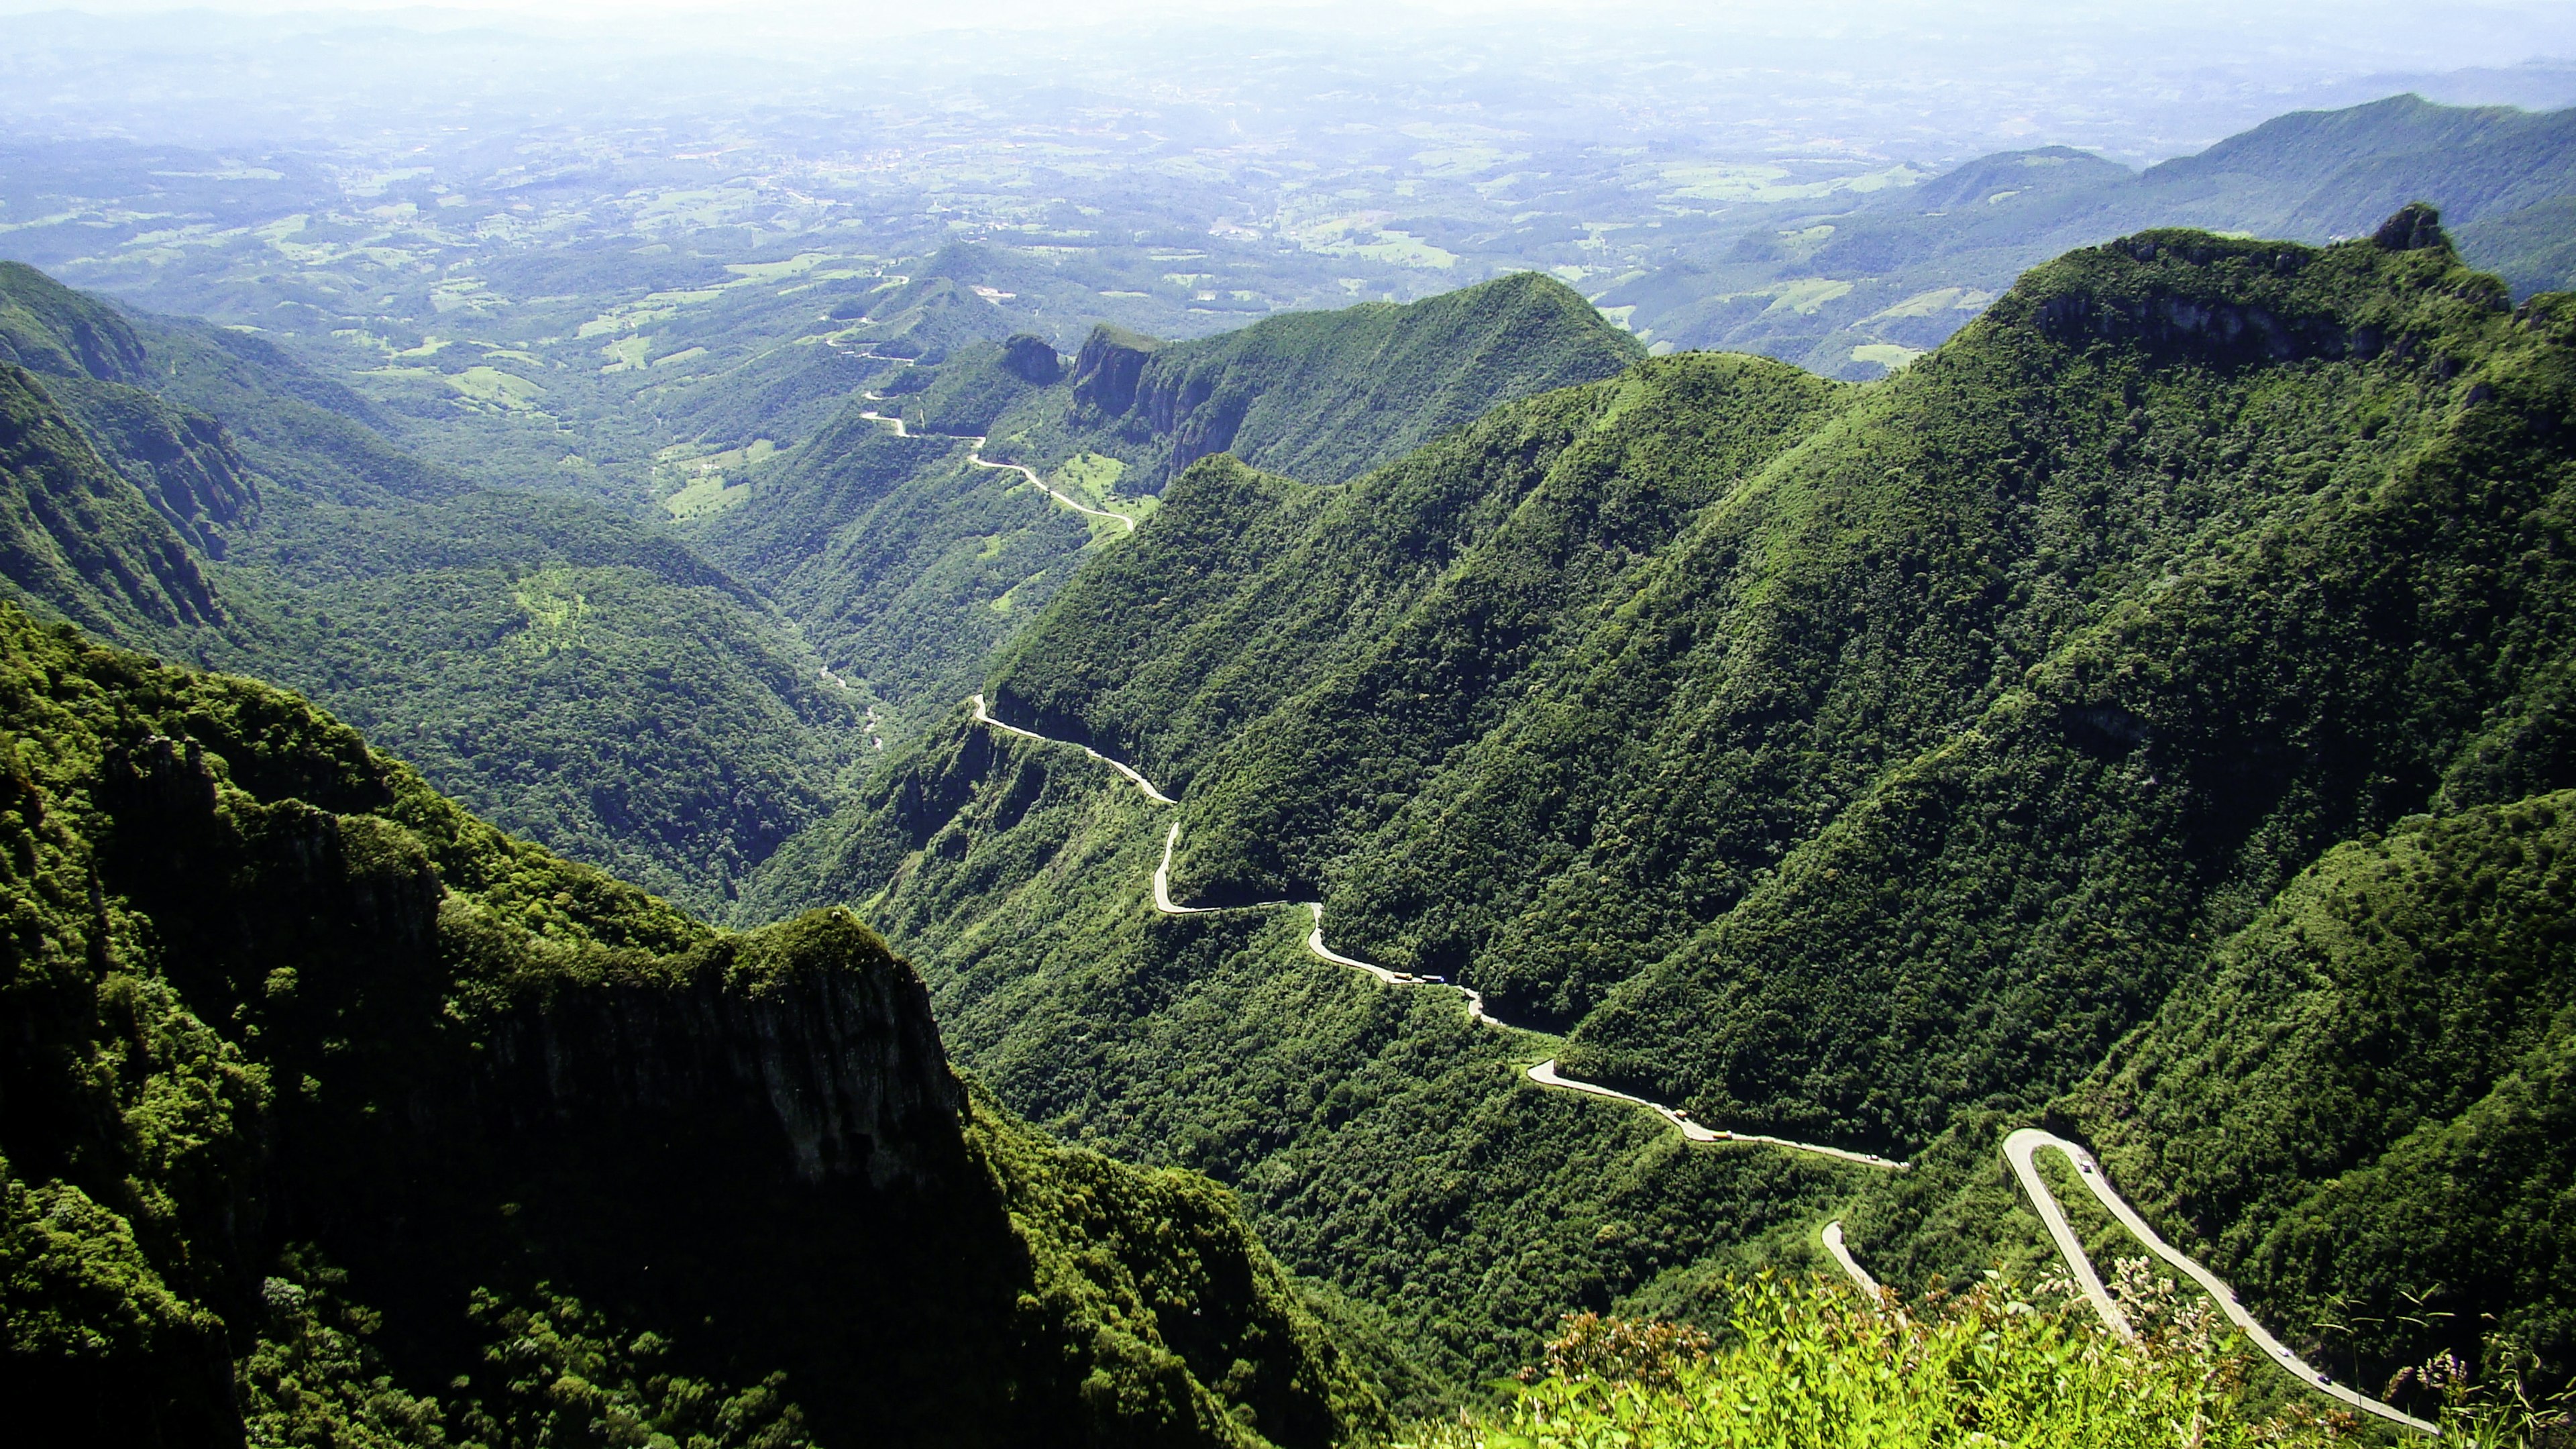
{"points": [[1326, 396]]}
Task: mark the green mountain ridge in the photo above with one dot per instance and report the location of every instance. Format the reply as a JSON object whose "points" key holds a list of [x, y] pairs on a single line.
{"points": [[78, 536], [1327, 396], [1859, 764], [2364, 163], [905, 564], [2441, 948], [335, 1111]]}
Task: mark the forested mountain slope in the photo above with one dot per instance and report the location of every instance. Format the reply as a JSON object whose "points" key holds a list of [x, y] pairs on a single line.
{"points": [[194, 491], [333, 1111], [2098, 689], [1326, 396], [2372, 1086], [905, 563], [80, 539], [1860, 764], [589, 682]]}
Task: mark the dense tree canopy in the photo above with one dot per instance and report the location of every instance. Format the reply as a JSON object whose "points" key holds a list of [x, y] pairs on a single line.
{"points": [[1861, 764]]}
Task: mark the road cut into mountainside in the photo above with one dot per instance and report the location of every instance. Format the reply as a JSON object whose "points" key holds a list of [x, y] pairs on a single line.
{"points": [[984, 717], [1843, 1259], [848, 354], [1544, 1074], [2017, 1149], [975, 455], [1068, 500]]}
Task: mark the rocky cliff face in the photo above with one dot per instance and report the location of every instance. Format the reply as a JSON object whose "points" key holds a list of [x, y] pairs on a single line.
{"points": [[82, 540], [96, 368], [1118, 387], [273, 1007], [1171, 403], [2184, 295], [817, 1040], [1106, 372]]}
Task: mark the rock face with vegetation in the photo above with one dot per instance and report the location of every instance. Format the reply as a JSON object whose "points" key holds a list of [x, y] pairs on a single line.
{"points": [[1881, 765], [330, 1110]]}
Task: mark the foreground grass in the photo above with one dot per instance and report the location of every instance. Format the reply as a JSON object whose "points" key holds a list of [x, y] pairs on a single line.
{"points": [[1814, 1364]]}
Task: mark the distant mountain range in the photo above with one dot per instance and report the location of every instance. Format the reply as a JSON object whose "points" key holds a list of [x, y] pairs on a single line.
{"points": [[1854, 291]]}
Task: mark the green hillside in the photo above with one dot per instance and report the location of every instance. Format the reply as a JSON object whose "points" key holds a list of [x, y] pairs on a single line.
{"points": [[577, 677], [1859, 764], [2368, 1090], [554, 665], [906, 564], [335, 1112], [1326, 396], [79, 539]]}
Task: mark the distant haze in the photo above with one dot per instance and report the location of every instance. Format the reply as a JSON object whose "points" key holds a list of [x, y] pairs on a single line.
{"points": [[1927, 82]]}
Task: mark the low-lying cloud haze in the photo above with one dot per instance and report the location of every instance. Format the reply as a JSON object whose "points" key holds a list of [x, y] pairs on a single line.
{"points": [[1928, 81]]}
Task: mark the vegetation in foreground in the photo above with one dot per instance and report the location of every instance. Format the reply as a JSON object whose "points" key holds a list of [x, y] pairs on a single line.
{"points": [[332, 1114], [1812, 1363]]}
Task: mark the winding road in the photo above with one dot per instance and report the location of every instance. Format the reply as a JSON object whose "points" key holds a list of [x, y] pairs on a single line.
{"points": [[1843, 1259], [975, 455], [984, 717], [2018, 1149], [847, 354], [1544, 1074]]}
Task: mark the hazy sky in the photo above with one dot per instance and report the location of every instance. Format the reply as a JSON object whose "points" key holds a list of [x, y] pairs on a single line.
{"points": [[1929, 79], [2412, 32]]}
